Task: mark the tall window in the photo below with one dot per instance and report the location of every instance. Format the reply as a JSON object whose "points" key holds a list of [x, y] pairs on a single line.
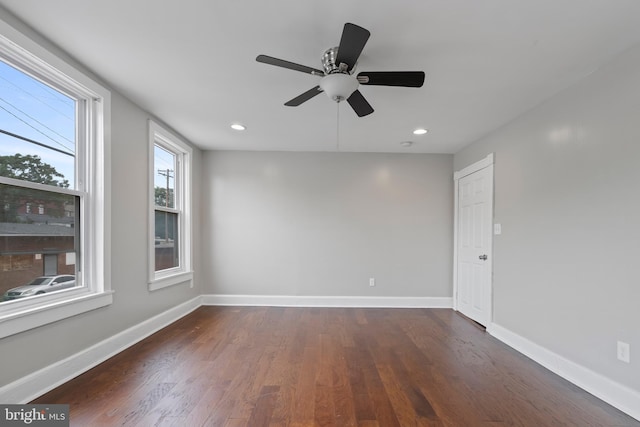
{"points": [[170, 223], [52, 179]]}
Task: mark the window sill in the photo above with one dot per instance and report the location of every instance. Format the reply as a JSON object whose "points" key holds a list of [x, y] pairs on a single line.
{"points": [[165, 281], [46, 313]]}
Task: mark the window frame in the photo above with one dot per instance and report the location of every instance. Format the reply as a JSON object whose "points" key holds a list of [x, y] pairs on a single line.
{"points": [[92, 186], [158, 135]]}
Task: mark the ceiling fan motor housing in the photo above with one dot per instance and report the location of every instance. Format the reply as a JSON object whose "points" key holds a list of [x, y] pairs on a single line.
{"points": [[329, 62]]}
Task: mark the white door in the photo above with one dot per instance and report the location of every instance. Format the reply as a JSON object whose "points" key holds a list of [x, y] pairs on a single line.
{"points": [[474, 242]]}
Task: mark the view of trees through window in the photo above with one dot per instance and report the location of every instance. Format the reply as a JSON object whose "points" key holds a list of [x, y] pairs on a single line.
{"points": [[38, 229]]}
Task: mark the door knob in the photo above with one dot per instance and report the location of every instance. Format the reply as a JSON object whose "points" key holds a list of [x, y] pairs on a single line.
{"points": [[483, 257]]}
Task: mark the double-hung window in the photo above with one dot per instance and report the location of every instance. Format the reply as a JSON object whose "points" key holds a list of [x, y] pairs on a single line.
{"points": [[170, 214], [53, 187]]}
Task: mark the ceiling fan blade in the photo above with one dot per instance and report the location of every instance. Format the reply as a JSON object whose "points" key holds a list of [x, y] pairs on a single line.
{"points": [[359, 104], [304, 97], [392, 78], [351, 44], [290, 65]]}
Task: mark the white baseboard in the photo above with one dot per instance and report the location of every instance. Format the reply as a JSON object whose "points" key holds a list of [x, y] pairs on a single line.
{"points": [[36, 384], [327, 301], [617, 395]]}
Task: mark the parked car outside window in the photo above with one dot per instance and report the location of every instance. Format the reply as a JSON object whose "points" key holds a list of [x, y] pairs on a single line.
{"points": [[41, 285]]}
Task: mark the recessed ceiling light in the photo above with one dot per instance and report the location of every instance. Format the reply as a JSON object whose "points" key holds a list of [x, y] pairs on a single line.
{"points": [[238, 126], [406, 144], [420, 131]]}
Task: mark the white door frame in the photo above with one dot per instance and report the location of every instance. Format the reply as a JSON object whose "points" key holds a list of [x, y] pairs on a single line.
{"points": [[475, 167]]}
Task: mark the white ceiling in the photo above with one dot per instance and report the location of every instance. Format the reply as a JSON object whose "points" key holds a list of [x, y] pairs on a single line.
{"points": [[192, 63]]}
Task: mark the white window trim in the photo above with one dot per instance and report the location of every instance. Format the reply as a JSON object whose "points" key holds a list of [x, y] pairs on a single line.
{"points": [[184, 272], [21, 315]]}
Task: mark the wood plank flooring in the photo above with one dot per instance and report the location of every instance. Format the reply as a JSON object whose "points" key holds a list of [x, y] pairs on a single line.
{"points": [[269, 366]]}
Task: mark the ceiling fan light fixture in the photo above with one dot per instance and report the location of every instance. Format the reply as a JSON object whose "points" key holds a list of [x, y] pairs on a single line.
{"points": [[339, 86]]}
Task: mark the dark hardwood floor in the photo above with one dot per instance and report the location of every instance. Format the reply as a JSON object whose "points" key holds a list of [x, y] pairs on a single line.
{"points": [[260, 366]]}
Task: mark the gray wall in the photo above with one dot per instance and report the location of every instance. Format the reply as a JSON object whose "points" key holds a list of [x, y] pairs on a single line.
{"points": [[29, 351], [566, 194], [321, 224]]}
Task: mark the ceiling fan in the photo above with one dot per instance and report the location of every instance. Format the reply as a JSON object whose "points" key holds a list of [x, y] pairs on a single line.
{"points": [[338, 81]]}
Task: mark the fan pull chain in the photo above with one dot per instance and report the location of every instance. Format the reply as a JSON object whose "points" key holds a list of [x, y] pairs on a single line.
{"points": [[338, 126]]}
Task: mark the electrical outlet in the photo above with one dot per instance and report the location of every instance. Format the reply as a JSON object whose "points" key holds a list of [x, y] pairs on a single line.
{"points": [[624, 352], [372, 281]]}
